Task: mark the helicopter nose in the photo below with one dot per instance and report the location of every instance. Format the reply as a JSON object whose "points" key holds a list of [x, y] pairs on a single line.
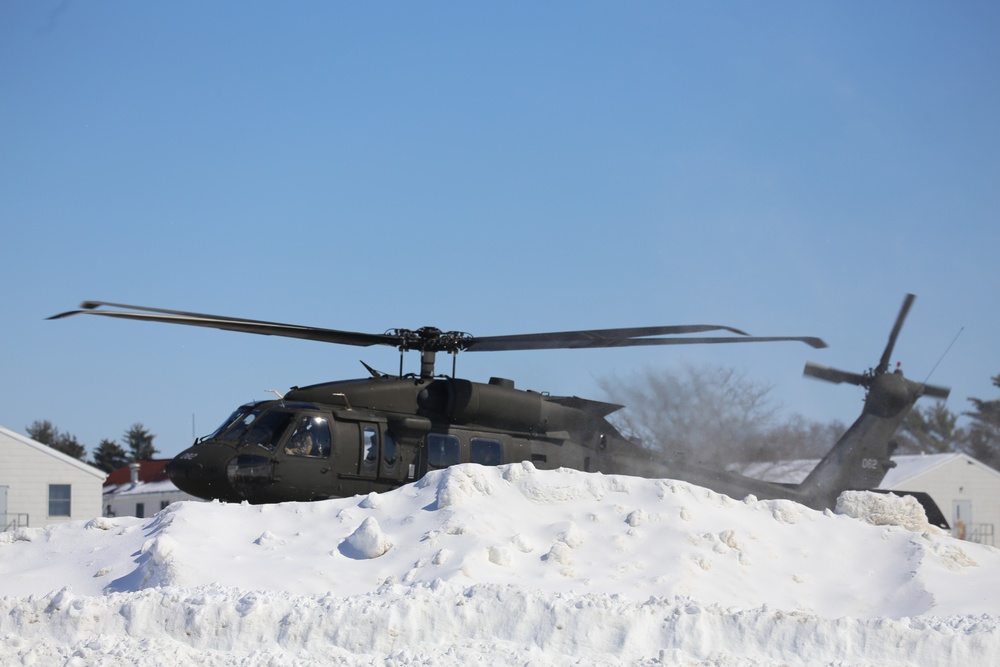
{"points": [[201, 471]]}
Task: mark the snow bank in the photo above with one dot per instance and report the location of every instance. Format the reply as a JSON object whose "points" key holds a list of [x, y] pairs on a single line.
{"points": [[506, 565], [485, 624]]}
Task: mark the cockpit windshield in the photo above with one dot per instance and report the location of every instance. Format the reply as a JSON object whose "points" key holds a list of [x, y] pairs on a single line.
{"points": [[237, 415], [255, 426]]}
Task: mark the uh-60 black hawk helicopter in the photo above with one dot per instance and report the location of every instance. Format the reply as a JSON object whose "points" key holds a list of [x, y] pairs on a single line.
{"points": [[350, 437]]}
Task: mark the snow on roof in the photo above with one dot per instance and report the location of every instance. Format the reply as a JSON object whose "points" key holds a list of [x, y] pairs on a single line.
{"points": [[912, 465], [149, 471], [6, 433], [908, 466], [792, 471], [142, 488], [152, 479]]}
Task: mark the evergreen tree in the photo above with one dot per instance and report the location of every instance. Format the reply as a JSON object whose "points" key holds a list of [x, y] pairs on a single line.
{"points": [[140, 443], [110, 456], [46, 433], [43, 431], [984, 431], [931, 429]]}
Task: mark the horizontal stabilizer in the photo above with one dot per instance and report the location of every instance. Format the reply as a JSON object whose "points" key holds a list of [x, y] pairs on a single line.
{"points": [[596, 408]]}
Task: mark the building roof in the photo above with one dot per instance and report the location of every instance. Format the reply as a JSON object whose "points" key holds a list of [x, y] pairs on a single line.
{"points": [[149, 471], [12, 436], [140, 489], [152, 479], [908, 466]]}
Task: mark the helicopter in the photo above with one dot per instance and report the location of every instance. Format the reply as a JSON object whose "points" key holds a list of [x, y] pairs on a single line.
{"points": [[376, 433]]}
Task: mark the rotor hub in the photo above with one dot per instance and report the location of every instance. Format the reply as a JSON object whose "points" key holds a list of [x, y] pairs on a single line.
{"points": [[431, 339]]}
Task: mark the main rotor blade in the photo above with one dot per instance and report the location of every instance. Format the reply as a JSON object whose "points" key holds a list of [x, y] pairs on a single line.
{"points": [[883, 365], [834, 375], [609, 334], [235, 324], [499, 344], [429, 339]]}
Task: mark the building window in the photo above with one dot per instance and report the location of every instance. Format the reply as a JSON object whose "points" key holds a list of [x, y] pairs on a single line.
{"points": [[140, 510], [60, 496]]}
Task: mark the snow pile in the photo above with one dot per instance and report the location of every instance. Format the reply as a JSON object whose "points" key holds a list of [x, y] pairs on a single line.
{"points": [[507, 565], [885, 509]]}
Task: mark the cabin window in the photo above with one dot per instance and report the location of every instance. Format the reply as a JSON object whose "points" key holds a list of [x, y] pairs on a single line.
{"points": [[486, 451], [140, 510], [60, 499], [369, 450], [371, 453], [389, 451], [311, 437], [442, 450]]}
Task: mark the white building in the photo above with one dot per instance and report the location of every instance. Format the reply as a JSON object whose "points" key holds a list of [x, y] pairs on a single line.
{"points": [[140, 489], [966, 491], [40, 485]]}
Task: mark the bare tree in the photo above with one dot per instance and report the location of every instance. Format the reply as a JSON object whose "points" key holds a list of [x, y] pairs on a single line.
{"points": [[713, 415]]}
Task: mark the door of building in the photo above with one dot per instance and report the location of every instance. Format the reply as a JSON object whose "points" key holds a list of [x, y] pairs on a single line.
{"points": [[961, 524]]}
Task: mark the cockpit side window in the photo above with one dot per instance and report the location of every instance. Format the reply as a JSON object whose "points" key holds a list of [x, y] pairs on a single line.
{"points": [[311, 437], [268, 429]]}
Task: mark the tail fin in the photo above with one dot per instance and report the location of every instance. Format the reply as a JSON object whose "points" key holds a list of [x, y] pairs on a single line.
{"points": [[859, 460], [861, 457]]}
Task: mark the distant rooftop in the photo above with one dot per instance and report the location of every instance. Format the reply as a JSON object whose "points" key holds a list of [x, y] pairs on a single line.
{"points": [[907, 467], [149, 472]]}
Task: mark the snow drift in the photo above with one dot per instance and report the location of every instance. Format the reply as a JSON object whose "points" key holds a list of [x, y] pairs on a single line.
{"points": [[508, 565]]}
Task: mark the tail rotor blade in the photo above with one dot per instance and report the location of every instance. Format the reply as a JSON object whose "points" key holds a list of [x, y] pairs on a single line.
{"points": [[834, 375], [936, 392]]}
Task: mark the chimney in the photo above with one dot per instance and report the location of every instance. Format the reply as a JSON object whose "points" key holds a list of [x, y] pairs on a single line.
{"points": [[134, 469]]}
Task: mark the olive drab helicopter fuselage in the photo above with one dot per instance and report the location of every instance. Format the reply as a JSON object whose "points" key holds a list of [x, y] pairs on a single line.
{"points": [[380, 432], [357, 436]]}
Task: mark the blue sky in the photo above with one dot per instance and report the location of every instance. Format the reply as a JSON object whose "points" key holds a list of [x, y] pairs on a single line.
{"points": [[785, 168]]}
